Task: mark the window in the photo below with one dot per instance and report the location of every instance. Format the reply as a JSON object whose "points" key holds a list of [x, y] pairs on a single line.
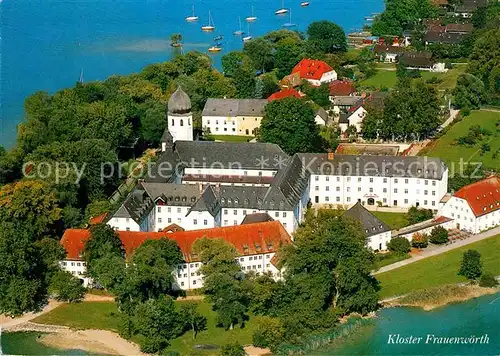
{"points": [[242, 259], [169, 220], [348, 199], [371, 190], [185, 275], [179, 210], [425, 192], [192, 274], [194, 282], [284, 214], [385, 180], [395, 180], [316, 188], [327, 199], [385, 190], [159, 220], [395, 190], [173, 122], [433, 203], [406, 191], [205, 222], [406, 201], [182, 122], [225, 222], [127, 229], [425, 202], [327, 188], [327, 178], [169, 210], [359, 189], [384, 200], [338, 189], [338, 179], [316, 199], [359, 179], [406, 181], [284, 225], [182, 284], [78, 264], [225, 211], [235, 212], [260, 257], [348, 189], [433, 183], [371, 180], [127, 220], [337, 199], [316, 178], [195, 222], [348, 179], [434, 192], [159, 209], [235, 222], [277, 214]]}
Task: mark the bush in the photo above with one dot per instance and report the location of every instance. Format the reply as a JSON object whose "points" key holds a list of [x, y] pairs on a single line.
{"points": [[488, 280], [420, 240], [471, 265], [416, 215], [269, 332], [439, 235], [399, 245], [232, 349]]}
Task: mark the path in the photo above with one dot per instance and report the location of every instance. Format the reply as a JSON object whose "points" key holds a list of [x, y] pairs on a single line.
{"points": [[439, 250], [449, 120]]}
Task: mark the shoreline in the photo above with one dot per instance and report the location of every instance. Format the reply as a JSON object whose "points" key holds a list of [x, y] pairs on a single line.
{"points": [[433, 298]]}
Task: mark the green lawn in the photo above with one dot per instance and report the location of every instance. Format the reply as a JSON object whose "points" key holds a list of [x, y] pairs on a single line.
{"points": [[104, 315], [450, 78], [447, 149], [384, 259], [233, 138], [395, 220], [438, 270]]}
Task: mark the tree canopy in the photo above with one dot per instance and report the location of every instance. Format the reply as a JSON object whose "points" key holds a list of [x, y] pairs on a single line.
{"points": [[326, 37]]}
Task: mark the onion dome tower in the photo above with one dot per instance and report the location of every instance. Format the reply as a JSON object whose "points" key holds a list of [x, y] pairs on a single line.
{"points": [[179, 116]]}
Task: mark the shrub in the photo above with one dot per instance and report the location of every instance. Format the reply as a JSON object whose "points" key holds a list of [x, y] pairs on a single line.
{"points": [[416, 215], [465, 112], [232, 349], [269, 332], [488, 280], [439, 235], [399, 245], [420, 240], [471, 265]]}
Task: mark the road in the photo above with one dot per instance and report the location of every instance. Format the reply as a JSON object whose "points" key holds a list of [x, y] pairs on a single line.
{"points": [[440, 249]]}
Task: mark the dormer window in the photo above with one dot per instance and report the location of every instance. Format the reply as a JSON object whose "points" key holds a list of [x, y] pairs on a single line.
{"points": [[193, 199], [269, 246], [236, 200], [184, 199], [223, 200]]}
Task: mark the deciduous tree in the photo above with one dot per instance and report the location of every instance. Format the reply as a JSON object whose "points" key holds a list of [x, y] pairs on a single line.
{"points": [[327, 37], [471, 266]]}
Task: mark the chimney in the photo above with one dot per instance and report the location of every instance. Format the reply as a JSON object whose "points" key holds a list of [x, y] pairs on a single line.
{"points": [[330, 155]]}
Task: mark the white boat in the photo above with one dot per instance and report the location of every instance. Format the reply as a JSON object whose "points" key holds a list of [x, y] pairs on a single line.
{"points": [[211, 26], [304, 3], [289, 23], [240, 31], [249, 36], [282, 10], [251, 18], [192, 18], [215, 48]]}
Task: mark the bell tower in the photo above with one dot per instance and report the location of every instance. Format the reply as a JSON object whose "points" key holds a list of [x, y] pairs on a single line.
{"points": [[179, 116]]}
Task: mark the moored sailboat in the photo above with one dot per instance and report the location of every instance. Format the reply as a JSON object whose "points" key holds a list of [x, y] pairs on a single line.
{"points": [[211, 26], [192, 18], [251, 18], [282, 10], [240, 31]]}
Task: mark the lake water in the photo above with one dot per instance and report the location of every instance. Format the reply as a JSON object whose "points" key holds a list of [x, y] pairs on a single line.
{"points": [[46, 43], [25, 343]]}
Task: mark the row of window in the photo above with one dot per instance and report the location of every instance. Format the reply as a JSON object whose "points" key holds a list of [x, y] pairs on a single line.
{"points": [[348, 189], [371, 180], [78, 264], [349, 200], [181, 122]]}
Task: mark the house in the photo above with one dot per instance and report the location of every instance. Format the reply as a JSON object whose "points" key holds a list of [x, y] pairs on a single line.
{"points": [[284, 93], [315, 71], [256, 245], [233, 116], [341, 104], [466, 8], [421, 61], [377, 232], [321, 117], [475, 207], [387, 53], [424, 227], [395, 181], [353, 117], [443, 37], [341, 88], [256, 218]]}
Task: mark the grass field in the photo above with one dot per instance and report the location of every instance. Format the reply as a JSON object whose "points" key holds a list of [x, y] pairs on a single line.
{"points": [[384, 259], [386, 78], [232, 138], [438, 270], [104, 315], [447, 149], [394, 220]]}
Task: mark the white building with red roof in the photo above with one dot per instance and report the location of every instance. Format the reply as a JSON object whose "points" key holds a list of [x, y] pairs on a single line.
{"points": [[475, 207], [315, 71], [256, 245]]}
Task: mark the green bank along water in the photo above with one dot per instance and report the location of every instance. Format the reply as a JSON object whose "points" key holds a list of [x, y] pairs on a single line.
{"points": [[475, 318]]}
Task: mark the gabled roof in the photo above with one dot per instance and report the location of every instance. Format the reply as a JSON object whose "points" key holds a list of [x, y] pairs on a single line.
{"points": [[312, 69], [417, 59], [256, 218], [444, 37], [341, 88], [98, 219], [470, 5], [249, 239], [234, 107], [285, 93], [322, 113], [370, 223], [483, 196]]}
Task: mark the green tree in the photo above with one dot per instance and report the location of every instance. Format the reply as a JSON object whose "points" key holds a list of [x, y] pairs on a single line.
{"points": [[487, 279], [233, 61], [319, 95], [66, 287], [260, 51], [416, 215], [485, 55], [269, 332], [290, 124], [158, 321], [471, 266], [399, 245], [327, 37], [232, 349], [287, 56], [469, 92], [153, 123], [270, 84], [193, 319], [103, 242], [439, 235], [330, 136], [151, 268]]}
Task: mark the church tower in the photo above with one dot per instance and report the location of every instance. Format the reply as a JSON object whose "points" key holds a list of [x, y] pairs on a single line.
{"points": [[179, 116]]}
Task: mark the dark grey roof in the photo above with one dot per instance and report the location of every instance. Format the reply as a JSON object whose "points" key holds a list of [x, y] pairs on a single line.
{"points": [[257, 155], [370, 223], [207, 202], [387, 166], [322, 113], [174, 194], [417, 59], [444, 37], [234, 107], [136, 206], [344, 118], [256, 218], [470, 5], [241, 197], [179, 102], [346, 100]]}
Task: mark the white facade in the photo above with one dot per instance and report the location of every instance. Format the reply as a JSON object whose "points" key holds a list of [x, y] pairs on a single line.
{"points": [[379, 241], [187, 275], [124, 224], [355, 119], [389, 191], [166, 215], [327, 77], [180, 126], [460, 211], [219, 125]]}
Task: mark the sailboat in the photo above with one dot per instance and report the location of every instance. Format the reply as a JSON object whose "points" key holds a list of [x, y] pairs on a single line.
{"points": [[251, 18], [80, 80], [249, 36], [289, 23], [192, 18], [211, 26], [240, 31], [282, 10]]}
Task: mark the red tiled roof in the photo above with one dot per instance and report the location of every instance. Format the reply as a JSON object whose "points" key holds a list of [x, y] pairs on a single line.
{"points": [[483, 196], [341, 88], [248, 239], [98, 219], [286, 93], [311, 69]]}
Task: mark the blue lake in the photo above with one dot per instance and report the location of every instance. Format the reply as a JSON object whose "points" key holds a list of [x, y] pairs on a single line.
{"points": [[45, 44]]}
